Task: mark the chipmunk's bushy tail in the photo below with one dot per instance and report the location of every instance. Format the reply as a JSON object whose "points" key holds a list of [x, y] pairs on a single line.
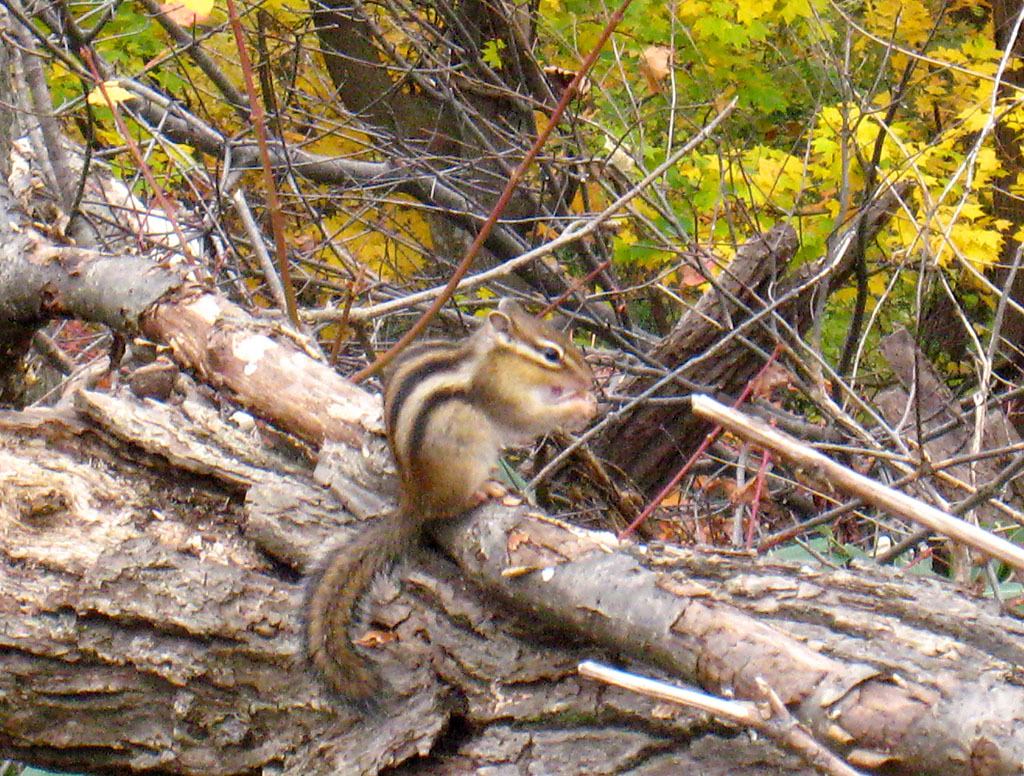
{"points": [[332, 605]]}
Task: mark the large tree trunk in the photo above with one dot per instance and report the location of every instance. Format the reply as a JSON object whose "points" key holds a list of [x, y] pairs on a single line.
{"points": [[1006, 203]]}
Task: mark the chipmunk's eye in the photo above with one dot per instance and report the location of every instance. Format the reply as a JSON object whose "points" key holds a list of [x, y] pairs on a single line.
{"points": [[551, 354]]}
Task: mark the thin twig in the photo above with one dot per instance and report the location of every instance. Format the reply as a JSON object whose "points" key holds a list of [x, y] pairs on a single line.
{"points": [[273, 200], [577, 230]]}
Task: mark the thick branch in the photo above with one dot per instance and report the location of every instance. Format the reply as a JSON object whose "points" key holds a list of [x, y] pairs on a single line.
{"points": [[144, 630]]}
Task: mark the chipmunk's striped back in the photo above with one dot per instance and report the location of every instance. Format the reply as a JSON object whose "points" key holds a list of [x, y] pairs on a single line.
{"points": [[427, 375]]}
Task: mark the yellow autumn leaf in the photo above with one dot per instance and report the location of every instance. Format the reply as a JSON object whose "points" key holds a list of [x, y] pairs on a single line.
{"points": [[391, 240], [971, 211], [845, 295], [590, 194], [540, 121], [910, 21], [979, 246], [796, 9], [978, 243], [115, 92], [187, 12], [1012, 117], [693, 10], [284, 11], [973, 119], [747, 11], [626, 236], [877, 284], [543, 231], [108, 137], [988, 165]]}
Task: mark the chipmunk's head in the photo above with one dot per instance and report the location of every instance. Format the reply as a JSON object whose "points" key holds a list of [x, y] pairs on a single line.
{"points": [[532, 378]]}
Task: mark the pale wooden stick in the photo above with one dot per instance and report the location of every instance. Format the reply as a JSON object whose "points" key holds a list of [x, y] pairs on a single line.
{"points": [[823, 469], [741, 712]]}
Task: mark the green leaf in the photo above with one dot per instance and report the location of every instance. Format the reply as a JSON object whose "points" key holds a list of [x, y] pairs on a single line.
{"points": [[491, 53]]}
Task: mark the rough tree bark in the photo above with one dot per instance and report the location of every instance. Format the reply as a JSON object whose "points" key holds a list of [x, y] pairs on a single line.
{"points": [[152, 559]]}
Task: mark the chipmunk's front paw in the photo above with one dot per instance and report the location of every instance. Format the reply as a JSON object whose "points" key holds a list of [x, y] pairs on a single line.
{"points": [[490, 489]]}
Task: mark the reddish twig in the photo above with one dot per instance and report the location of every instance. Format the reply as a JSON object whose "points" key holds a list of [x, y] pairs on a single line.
{"points": [[711, 437], [758, 491], [570, 91], [577, 284], [273, 202]]}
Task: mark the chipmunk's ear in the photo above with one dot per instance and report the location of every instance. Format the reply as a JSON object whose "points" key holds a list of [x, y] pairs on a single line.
{"points": [[502, 320], [510, 307]]}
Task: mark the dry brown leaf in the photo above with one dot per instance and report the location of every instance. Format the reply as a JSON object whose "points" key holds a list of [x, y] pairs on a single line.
{"points": [[775, 376], [656, 64]]}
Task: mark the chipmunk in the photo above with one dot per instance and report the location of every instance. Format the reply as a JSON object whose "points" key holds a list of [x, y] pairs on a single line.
{"points": [[449, 409]]}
